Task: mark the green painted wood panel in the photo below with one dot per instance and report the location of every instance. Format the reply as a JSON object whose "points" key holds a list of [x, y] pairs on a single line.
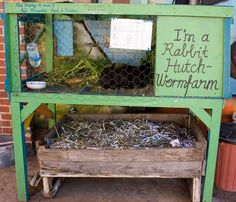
{"points": [[20, 153], [49, 42], [213, 141], [189, 57], [119, 9], [114, 100], [13, 47]]}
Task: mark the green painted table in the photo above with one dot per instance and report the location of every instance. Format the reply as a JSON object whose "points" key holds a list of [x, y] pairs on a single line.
{"points": [[192, 70]]}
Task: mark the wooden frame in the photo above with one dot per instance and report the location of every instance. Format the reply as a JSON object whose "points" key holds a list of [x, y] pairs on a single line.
{"points": [[196, 105], [152, 163], [179, 163]]}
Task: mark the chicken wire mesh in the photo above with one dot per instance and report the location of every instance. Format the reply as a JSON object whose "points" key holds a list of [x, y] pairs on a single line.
{"points": [[80, 59]]}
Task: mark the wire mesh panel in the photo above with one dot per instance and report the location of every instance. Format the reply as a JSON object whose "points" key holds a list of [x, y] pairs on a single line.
{"points": [[75, 54]]}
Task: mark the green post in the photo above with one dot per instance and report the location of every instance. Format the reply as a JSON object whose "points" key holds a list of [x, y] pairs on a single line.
{"points": [[14, 60], [20, 153], [212, 153], [14, 73], [49, 58]]}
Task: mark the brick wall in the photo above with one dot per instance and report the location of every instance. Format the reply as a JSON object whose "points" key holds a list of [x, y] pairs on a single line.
{"points": [[5, 113]]}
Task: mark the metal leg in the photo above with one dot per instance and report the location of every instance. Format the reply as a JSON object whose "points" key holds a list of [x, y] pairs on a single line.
{"points": [[20, 153], [212, 154]]}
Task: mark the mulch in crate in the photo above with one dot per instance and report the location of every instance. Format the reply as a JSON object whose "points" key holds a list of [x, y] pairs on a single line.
{"points": [[120, 134]]}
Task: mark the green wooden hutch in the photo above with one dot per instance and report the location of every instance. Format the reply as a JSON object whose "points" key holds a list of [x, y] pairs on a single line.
{"points": [[192, 69]]}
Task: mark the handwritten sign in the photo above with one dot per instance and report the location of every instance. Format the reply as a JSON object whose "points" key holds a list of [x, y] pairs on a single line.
{"points": [[61, 8], [189, 57]]}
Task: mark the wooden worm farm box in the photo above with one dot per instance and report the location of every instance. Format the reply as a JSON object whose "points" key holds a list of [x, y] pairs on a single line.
{"points": [[138, 163]]}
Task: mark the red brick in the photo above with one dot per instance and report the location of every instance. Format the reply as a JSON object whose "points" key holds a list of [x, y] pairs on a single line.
{"points": [[1, 39], [2, 70], [2, 55], [2, 77], [2, 86], [22, 30], [1, 22], [7, 130], [4, 109], [2, 47], [3, 95], [5, 123], [2, 62], [4, 102], [22, 47], [6, 116]]}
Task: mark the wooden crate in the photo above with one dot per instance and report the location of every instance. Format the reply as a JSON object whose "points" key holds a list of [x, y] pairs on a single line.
{"points": [[142, 163]]}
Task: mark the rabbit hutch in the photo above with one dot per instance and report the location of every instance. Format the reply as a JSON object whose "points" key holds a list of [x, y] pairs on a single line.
{"points": [[120, 55]]}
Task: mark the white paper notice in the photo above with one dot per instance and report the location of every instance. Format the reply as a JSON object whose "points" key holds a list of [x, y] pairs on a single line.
{"points": [[131, 34]]}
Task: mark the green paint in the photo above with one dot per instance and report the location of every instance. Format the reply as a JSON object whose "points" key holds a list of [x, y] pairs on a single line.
{"points": [[20, 153], [49, 58], [212, 153], [52, 121], [29, 109], [115, 100], [49, 42], [190, 57], [120, 9], [14, 61], [202, 114], [61, 17]]}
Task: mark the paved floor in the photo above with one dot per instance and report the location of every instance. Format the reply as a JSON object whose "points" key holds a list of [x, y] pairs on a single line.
{"points": [[121, 190], [106, 190]]}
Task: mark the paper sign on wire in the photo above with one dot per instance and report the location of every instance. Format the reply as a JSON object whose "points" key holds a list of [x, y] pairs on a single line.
{"points": [[131, 34]]}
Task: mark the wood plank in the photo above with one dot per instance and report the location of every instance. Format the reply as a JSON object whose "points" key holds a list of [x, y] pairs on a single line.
{"points": [[20, 153], [213, 142], [47, 185], [180, 119], [120, 9], [139, 101], [29, 109], [151, 155], [13, 53], [121, 169], [196, 189], [49, 42]]}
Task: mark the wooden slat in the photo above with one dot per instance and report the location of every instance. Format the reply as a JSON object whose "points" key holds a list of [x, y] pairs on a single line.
{"points": [[120, 9], [142, 155], [121, 169], [180, 119], [139, 101], [196, 192]]}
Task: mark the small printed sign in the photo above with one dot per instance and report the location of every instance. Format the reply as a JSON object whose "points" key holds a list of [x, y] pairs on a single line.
{"points": [[131, 34]]}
